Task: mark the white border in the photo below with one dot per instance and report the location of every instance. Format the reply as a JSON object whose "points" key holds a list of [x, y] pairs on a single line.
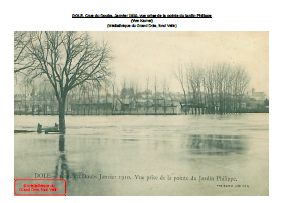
{"points": [[227, 16]]}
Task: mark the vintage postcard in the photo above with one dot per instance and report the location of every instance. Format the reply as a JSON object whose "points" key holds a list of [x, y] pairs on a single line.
{"points": [[147, 113]]}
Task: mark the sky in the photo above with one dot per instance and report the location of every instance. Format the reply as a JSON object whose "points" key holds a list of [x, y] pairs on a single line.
{"points": [[138, 54]]}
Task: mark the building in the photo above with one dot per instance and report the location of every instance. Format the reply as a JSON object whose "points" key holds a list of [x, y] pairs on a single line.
{"points": [[92, 109]]}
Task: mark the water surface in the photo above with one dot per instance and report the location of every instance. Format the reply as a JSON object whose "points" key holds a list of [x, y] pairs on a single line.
{"points": [[202, 146]]}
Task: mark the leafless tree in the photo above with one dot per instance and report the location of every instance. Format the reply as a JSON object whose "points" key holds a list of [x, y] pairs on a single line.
{"points": [[147, 93], [165, 87], [113, 83], [98, 87], [210, 86], [179, 74], [218, 88], [155, 85], [28, 87], [195, 77], [241, 81], [131, 89], [22, 59], [106, 90], [225, 88], [124, 88], [67, 59], [137, 89], [168, 85]]}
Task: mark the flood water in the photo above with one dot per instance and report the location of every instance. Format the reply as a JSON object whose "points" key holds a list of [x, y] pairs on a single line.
{"points": [[213, 149]]}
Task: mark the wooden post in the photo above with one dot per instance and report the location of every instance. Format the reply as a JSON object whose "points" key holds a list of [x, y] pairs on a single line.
{"points": [[39, 128]]}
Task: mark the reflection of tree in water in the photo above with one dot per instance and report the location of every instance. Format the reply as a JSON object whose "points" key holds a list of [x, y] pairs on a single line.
{"points": [[216, 144], [62, 170]]}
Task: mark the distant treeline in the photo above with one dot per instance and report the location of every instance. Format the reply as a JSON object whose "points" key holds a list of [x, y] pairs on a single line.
{"points": [[218, 88]]}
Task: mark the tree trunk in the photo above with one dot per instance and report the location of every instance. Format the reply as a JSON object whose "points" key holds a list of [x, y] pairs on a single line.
{"points": [[62, 126], [155, 100], [185, 97], [113, 101]]}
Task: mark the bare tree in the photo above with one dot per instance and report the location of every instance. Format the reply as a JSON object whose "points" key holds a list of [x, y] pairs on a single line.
{"points": [[27, 87], [136, 93], [124, 88], [98, 87], [155, 85], [22, 59], [67, 59], [179, 74], [192, 79], [240, 83], [165, 88], [210, 85], [168, 85], [225, 87], [106, 90], [217, 89], [113, 83], [147, 92]]}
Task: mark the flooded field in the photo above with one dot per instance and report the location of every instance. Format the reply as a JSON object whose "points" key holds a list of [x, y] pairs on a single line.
{"points": [[149, 155]]}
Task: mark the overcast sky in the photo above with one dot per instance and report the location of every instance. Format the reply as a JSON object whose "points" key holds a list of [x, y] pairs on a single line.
{"points": [[141, 54], [138, 54]]}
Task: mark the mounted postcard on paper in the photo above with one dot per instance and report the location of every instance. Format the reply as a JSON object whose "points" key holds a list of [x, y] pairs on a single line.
{"points": [[141, 113]]}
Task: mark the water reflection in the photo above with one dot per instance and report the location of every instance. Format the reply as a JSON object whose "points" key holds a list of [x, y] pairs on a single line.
{"points": [[148, 146], [216, 144], [95, 150], [62, 168]]}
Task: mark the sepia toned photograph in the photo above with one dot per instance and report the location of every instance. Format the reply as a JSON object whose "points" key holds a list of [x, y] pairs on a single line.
{"points": [[151, 113]]}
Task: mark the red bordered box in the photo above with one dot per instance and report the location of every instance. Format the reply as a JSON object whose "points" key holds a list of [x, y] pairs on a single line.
{"points": [[39, 180]]}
